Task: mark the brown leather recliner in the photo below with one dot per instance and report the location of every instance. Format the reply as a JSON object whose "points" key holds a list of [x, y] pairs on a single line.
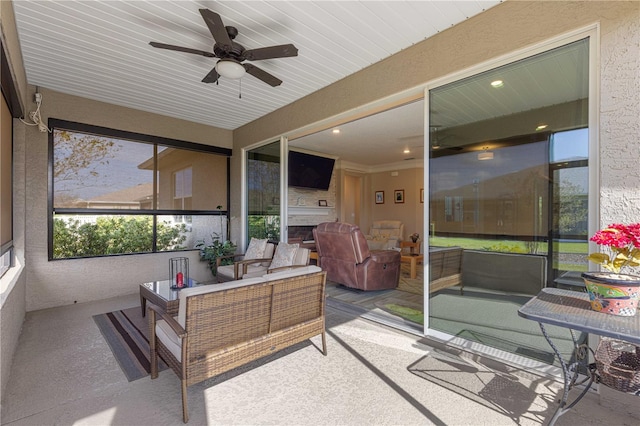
{"points": [[343, 252]]}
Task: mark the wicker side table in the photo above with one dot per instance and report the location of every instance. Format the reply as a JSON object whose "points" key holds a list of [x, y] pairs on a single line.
{"points": [[160, 293]]}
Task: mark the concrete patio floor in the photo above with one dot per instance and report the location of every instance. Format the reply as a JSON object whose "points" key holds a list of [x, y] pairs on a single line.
{"points": [[65, 374]]}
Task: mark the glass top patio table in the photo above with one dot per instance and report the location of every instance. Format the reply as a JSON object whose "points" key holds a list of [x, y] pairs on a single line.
{"points": [[571, 309]]}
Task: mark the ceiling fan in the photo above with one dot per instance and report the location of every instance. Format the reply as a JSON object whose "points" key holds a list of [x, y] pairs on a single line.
{"points": [[231, 54]]}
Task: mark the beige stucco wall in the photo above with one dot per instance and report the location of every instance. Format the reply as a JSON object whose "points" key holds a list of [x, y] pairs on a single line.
{"points": [[620, 118], [62, 282], [503, 29]]}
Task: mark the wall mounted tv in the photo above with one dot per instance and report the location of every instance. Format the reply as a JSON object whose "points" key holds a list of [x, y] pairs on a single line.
{"points": [[310, 171]]}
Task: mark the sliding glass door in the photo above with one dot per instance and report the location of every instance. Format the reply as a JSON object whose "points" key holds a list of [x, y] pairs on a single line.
{"points": [[263, 174], [508, 193]]}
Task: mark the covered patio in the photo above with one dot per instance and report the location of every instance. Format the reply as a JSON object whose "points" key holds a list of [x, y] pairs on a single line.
{"points": [[65, 373]]}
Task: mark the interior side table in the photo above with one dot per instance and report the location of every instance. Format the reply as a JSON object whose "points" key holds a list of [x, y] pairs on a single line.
{"points": [[572, 310], [412, 257]]}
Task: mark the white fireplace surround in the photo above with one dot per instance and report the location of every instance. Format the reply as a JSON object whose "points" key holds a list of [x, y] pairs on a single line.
{"points": [[309, 211]]}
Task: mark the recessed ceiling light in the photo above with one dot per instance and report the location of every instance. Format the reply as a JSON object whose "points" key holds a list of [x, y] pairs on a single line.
{"points": [[406, 151], [541, 127], [497, 83], [335, 131]]}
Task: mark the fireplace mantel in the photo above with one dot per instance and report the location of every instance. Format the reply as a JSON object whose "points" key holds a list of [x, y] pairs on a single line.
{"points": [[309, 211]]}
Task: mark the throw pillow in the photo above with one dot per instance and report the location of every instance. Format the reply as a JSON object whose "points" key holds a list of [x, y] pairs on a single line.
{"points": [[284, 255], [256, 249]]}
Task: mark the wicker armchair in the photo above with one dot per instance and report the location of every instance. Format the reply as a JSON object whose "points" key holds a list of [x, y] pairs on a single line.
{"points": [[243, 265]]}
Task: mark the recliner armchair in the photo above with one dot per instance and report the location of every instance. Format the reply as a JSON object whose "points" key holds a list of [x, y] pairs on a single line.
{"points": [[385, 234], [344, 254]]}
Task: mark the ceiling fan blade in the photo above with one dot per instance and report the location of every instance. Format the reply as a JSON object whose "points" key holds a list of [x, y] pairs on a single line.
{"points": [[217, 29], [212, 77], [182, 49], [281, 51], [261, 74]]}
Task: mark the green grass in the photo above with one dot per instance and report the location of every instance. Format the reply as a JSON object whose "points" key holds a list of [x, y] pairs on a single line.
{"points": [[509, 245], [410, 314]]}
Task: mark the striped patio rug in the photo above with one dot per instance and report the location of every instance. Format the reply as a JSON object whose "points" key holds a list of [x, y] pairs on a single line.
{"points": [[127, 332]]}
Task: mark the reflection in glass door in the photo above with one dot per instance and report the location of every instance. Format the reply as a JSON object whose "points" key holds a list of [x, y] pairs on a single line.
{"points": [[507, 195], [569, 208], [263, 192]]}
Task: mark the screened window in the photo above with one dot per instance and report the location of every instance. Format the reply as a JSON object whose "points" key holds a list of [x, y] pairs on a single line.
{"points": [[115, 192], [6, 189]]}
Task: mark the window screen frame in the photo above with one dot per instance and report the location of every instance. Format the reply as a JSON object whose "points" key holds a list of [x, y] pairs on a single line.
{"points": [[58, 124]]}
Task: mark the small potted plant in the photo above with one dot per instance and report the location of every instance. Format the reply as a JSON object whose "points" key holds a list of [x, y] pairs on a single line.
{"points": [[414, 237], [217, 249], [614, 291]]}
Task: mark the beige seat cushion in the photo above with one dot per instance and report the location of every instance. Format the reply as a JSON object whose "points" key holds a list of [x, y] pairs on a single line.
{"points": [[169, 338]]}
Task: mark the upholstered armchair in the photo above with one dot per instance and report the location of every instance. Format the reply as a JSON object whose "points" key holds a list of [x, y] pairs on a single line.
{"points": [[385, 234], [344, 254]]}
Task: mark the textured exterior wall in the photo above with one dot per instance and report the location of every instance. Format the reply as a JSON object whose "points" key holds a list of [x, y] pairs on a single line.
{"points": [[11, 319], [62, 282], [620, 120], [13, 283]]}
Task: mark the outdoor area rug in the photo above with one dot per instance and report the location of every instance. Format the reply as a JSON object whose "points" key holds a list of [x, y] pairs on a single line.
{"points": [[127, 332]]}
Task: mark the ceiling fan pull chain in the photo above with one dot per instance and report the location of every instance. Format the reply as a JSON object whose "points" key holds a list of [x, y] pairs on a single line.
{"points": [[240, 89]]}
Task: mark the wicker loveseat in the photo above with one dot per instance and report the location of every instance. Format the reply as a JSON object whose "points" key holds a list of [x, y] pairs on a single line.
{"points": [[220, 327]]}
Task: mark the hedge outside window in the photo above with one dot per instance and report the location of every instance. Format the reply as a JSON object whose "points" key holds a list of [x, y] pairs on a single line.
{"points": [[116, 192]]}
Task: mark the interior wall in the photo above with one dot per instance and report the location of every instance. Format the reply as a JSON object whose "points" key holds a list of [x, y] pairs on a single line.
{"points": [[62, 282], [411, 211], [501, 30], [352, 199]]}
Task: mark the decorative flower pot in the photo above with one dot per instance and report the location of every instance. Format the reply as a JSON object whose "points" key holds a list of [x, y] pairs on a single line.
{"points": [[611, 293]]}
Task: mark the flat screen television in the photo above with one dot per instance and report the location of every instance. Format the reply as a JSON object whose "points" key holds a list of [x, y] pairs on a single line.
{"points": [[310, 171]]}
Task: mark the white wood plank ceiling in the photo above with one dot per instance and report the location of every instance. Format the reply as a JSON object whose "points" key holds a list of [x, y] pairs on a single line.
{"points": [[100, 49]]}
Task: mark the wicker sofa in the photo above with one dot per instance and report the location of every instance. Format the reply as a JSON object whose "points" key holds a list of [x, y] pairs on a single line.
{"points": [[220, 327]]}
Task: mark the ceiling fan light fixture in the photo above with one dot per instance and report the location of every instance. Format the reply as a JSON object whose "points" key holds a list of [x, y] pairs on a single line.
{"points": [[230, 69], [485, 154]]}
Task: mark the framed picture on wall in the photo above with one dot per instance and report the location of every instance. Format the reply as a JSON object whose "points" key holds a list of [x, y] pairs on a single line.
{"points": [[379, 197], [398, 196], [422, 195]]}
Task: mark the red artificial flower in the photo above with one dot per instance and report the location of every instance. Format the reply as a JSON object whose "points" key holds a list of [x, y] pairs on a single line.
{"points": [[623, 242]]}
